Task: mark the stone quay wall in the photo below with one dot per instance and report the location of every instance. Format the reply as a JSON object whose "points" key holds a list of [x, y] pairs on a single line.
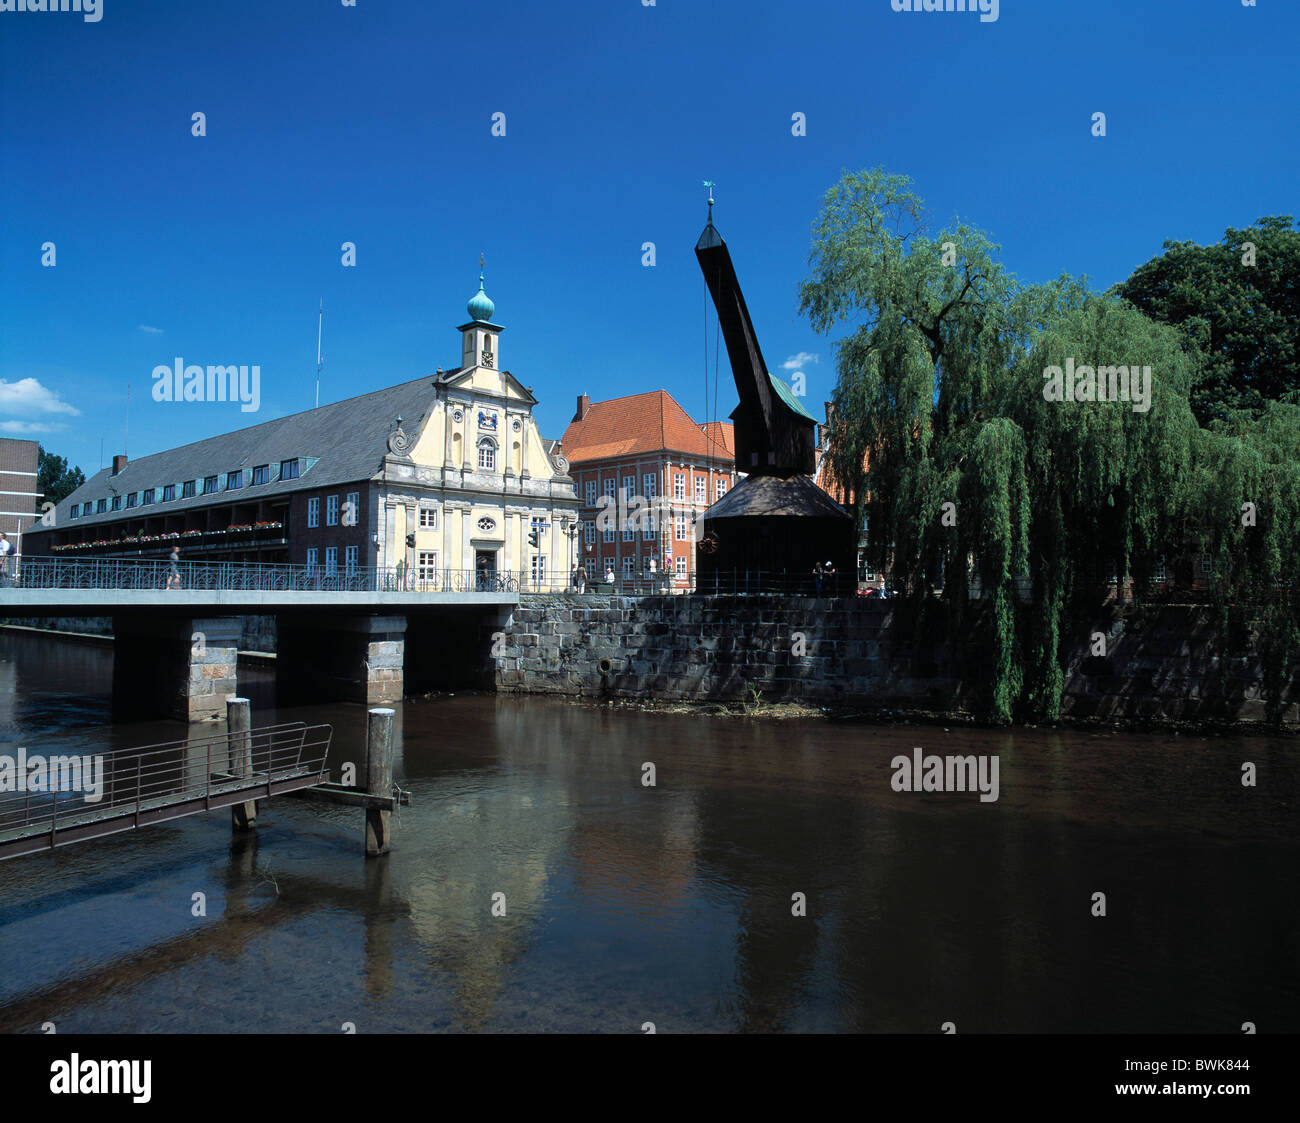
{"points": [[1160, 665]]}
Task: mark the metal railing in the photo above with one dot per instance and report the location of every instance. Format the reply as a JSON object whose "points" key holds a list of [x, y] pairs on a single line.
{"points": [[123, 574], [55, 802], [112, 574]]}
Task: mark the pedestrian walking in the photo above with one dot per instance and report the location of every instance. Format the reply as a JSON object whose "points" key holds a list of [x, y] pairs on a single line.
{"points": [[174, 569]]}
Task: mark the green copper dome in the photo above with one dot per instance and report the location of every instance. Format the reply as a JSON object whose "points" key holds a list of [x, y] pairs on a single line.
{"points": [[480, 307]]}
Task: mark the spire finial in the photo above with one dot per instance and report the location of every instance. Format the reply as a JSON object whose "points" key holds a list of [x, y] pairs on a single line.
{"points": [[710, 185], [480, 270]]}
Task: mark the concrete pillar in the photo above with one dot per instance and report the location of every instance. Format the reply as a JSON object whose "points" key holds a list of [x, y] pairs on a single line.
{"points": [[175, 666], [379, 779], [239, 745], [328, 657]]}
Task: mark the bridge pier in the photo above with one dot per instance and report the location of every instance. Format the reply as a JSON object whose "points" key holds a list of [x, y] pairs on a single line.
{"points": [[180, 667], [333, 658]]}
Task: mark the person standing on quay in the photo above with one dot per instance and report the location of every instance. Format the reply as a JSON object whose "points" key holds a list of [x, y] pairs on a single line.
{"points": [[6, 554]]}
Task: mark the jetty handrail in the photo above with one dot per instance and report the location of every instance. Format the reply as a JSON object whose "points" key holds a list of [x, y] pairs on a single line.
{"points": [[149, 779]]}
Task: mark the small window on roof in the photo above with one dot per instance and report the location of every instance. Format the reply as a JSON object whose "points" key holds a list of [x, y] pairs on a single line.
{"points": [[261, 474], [289, 469]]}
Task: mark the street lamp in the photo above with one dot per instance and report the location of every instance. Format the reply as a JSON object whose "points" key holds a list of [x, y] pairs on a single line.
{"points": [[571, 532]]}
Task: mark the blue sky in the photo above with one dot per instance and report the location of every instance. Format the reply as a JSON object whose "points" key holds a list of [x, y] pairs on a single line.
{"points": [[372, 124]]}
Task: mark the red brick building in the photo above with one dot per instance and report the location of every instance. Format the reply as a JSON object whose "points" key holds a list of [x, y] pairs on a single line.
{"points": [[628, 454], [18, 468]]}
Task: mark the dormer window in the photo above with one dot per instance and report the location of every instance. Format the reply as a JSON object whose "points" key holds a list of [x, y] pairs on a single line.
{"points": [[261, 474], [210, 485], [234, 480], [187, 489], [289, 469], [169, 492]]}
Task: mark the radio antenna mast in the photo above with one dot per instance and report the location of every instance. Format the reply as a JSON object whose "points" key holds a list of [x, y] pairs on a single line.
{"points": [[320, 362]]}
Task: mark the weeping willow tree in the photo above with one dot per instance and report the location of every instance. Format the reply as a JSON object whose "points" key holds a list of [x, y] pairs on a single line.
{"points": [[965, 476], [1244, 513]]}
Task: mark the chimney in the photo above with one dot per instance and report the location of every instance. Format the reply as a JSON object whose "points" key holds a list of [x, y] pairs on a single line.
{"points": [[584, 408], [119, 462]]}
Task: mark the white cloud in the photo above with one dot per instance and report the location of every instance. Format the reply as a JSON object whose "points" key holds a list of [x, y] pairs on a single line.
{"points": [[28, 398], [23, 428], [151, 331], [803, 359]]}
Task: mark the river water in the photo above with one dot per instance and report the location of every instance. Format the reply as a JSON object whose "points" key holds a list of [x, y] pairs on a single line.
{"points": [[627, 904]]}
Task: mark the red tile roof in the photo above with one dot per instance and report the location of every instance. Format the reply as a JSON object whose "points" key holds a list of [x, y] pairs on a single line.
{"points": [[643, 423]]}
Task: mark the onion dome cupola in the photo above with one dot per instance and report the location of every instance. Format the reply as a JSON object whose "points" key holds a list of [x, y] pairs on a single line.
{"points": [[479, 347], [480, 306]]}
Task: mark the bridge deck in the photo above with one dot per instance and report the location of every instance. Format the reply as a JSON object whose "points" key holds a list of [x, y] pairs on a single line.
{"points": [[153, 784]]}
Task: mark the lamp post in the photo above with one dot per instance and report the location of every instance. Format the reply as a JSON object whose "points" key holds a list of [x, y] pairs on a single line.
{"points": [[571, 532]]}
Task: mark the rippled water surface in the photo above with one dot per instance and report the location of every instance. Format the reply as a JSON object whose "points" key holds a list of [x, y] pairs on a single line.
{"points": [[670, 904]]}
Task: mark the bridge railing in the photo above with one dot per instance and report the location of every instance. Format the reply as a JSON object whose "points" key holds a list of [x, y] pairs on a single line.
{"points": [[61, 797], [134, 574]]}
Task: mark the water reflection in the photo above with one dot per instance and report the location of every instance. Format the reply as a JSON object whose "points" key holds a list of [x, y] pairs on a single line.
{"points": [[624, 903]]}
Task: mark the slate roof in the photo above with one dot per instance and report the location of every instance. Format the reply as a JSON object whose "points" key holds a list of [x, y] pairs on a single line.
{"points": [[350, 438], [642, 423], [762, 496]]}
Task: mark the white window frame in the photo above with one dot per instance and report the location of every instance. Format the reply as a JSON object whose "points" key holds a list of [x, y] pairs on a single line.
{"points": [[427, 565], [591, 493], [679, 486], [350, 559], [354, 497], [589, 532], [487, 455], [679, 565], [331, 560], [610, 485], [428, 518], [313, 512], [332, 510], [312, 557], [629, 568], [720, 488], [679, 528], [538, 568], [590, 566], [650, 485]]}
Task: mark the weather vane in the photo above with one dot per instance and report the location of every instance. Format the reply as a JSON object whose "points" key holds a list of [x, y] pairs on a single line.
{"points": [[710, 185], [480, 267]]}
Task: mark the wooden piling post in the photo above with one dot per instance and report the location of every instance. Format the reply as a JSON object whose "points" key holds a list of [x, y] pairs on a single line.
{"points": [[239, 741], [379, 779]]}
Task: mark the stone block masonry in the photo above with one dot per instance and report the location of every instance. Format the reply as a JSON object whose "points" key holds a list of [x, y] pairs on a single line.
{"points": [[1160, 664]]}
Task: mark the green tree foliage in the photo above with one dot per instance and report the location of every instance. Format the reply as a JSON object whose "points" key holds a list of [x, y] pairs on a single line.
{"points": [[54, 479], [1240, 301], [941, 392]]}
